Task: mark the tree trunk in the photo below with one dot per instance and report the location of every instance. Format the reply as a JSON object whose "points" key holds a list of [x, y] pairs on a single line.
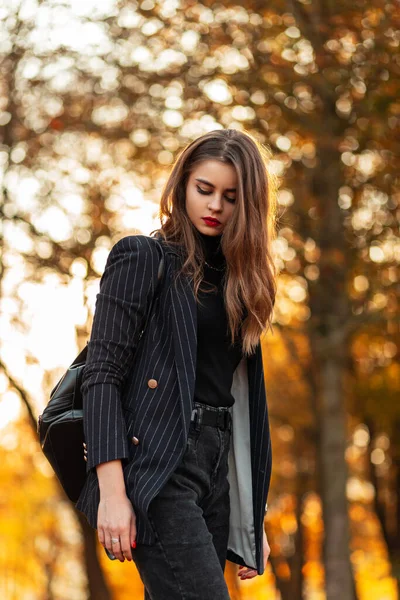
{"points": [[292, 588], [297, 562], [391, 536], [333, 473], [330, 314], [97, 585]]}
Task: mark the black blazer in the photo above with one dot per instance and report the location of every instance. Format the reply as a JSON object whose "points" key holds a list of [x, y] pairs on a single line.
{"points": [[137, 395]]}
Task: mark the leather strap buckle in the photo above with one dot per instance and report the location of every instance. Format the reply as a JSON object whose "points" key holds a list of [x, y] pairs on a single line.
{"points": [[217, 418]]}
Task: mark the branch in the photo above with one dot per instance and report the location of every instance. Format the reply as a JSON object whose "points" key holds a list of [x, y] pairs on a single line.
{"points": [[23, 394]]}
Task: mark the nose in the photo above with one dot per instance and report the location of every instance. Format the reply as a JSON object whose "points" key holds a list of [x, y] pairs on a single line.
{"points": [[215, 203]]}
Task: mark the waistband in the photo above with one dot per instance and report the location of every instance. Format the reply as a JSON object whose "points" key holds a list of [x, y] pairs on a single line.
{"points": [[220, 416]]}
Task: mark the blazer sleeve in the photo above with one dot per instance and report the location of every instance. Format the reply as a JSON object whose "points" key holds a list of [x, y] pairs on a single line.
{"points": [[126, 289]]}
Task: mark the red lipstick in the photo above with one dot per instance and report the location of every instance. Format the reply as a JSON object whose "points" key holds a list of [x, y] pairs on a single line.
{"points": [[211, 221]]}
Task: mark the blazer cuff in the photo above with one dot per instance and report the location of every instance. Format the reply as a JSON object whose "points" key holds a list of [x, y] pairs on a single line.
{"points": [[98, 460], [104, 425]]}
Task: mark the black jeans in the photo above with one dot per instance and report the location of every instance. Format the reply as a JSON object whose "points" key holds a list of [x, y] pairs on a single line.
{"points": [[190, 517]]}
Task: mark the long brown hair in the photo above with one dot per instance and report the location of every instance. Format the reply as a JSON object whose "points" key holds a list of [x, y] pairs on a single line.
{"points": [[250, 280]]}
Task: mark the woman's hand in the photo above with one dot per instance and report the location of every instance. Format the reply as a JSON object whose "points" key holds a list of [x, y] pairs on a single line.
{"points": [[116, 519], [245, 572]]}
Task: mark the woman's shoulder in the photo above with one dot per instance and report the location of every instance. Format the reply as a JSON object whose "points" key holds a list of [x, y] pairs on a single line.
{"points": [[167, 245], [146, 251], [138, 243]]}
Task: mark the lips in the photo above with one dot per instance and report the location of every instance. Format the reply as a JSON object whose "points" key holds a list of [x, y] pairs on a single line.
{"points": [[211, 220]]}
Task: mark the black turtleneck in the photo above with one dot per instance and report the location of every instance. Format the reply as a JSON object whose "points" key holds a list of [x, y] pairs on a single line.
{"points": [[216, 358]]}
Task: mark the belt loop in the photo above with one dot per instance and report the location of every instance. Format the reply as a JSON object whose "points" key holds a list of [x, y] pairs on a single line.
{"points": [[198, 419], [194, 417]]}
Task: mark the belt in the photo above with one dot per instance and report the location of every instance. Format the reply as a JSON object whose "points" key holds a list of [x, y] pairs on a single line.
{"points": [[216, 417]]}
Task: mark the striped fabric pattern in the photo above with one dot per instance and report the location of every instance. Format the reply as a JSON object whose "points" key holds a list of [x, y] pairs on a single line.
{"points": [[129, 275], [119, 403]]}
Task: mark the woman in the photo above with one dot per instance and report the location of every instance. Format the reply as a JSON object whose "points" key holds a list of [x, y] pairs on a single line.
{"points": [[176, 424]]}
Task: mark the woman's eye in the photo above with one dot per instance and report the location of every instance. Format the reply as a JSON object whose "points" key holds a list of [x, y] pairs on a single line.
{"points": [[202, 191], [208, 193]]}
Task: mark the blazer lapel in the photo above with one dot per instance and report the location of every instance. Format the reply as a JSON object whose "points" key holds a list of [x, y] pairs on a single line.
{"points": [[184, 323]]}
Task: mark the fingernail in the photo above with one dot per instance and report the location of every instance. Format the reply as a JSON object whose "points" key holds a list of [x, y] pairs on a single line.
{"points": [[133, 545]]}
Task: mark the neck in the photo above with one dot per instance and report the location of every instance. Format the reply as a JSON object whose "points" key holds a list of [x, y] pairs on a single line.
{"points": [[213, 254], [211, 245]]}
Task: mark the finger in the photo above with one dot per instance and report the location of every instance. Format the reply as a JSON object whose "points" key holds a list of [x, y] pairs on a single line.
{"points": [[125, 546], [101, 536], [249, 575], [108, 545], [243, 571], [116, 546], [133, 532]]}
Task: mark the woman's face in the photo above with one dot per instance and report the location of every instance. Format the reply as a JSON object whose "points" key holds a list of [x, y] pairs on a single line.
{"points": [[211, 192]]}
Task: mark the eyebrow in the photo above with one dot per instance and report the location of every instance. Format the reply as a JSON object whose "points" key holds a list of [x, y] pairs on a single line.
{"points": [[212, 185]]}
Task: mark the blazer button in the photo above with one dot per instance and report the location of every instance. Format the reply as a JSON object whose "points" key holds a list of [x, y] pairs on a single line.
{"points": [[152, 383], [135, 440]]}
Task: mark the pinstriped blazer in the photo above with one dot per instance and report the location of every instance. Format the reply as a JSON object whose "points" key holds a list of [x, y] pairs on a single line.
{"points": [[142, 387]]}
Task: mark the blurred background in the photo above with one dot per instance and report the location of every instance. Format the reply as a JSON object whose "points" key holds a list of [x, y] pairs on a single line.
{"points": [[97, 97]]}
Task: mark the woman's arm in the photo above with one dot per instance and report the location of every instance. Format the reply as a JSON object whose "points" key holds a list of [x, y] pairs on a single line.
{"points": [[116, 519], [126, 289], [111, 478]]}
